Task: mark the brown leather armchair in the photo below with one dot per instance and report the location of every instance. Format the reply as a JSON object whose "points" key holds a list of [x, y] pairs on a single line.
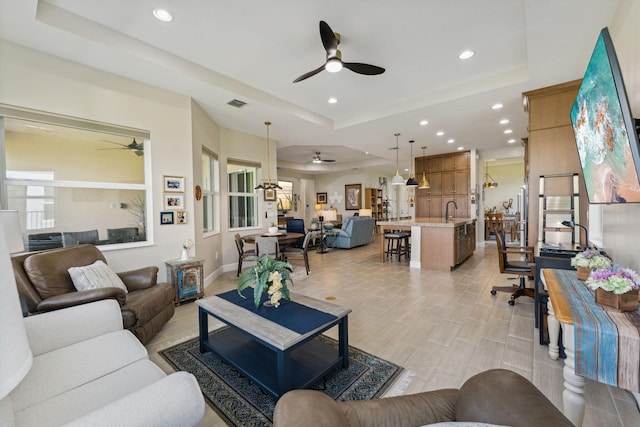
{"points": [[496, 396], [44, 282]]}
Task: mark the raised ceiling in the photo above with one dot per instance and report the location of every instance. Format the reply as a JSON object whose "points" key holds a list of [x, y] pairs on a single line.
{"points": [[252, 50]]}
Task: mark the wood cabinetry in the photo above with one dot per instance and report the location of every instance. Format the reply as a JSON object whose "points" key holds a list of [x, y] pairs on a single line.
{"points": [[448, 177], [373, 200], [444, 248], [551, 148], [465, 238]]}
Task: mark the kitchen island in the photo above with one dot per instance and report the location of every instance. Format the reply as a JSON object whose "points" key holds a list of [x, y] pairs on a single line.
{"points": [[436, 243]]}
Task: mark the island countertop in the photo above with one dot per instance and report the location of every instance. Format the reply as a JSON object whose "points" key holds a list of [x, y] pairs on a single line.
{"points": [[426, 222]]}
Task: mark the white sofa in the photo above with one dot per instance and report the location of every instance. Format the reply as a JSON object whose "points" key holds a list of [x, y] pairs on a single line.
{"points": [[89, 371]]}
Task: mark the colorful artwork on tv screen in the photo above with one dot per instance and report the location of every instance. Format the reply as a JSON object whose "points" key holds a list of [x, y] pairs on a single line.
{"points": [[605, 130]]}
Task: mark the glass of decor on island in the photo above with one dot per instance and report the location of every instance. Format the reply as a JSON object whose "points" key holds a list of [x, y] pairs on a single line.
{"points": [[587, 260], [269, 276], [616, 287], [186, 245]]}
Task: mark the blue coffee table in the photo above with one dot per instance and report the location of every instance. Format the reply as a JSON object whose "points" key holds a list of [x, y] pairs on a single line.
{"points": [[276, 347]]}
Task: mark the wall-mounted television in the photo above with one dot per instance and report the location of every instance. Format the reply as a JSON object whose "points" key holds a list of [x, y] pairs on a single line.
{"points": [[605, 131]]}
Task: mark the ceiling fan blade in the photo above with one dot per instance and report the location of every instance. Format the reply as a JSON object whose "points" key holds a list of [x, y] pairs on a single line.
{"points": [[328, 160], [329, 40], [369, 70], [309, 74], [116, 143]]}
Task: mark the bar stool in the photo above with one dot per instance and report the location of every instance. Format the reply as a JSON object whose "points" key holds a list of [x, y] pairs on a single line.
{"points": [[397, 244]]}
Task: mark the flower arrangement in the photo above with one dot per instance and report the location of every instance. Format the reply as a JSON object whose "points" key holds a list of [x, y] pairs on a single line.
{"points": [[187, 244], [616, 279], [591, 258], [268, 275]]}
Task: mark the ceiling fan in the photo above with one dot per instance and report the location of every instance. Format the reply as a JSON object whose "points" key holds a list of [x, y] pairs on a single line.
{"points": [[134, 146], [317, 159], [333, 64]]}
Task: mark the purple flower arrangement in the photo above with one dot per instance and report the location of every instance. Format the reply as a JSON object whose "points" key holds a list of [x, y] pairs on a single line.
{"points": [[616, 279], [591, 258]]}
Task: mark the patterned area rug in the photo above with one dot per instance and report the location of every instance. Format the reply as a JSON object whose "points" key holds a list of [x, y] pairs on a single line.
{"points": [[241, 403]]}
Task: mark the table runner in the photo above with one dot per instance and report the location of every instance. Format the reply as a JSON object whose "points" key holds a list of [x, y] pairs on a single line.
{"points": [[296, 317], [607, 342]]}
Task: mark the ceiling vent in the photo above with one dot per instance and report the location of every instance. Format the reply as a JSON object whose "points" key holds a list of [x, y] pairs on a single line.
{"points": [[237, 103]]}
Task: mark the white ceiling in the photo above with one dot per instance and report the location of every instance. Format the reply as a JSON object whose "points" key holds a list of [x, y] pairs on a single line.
{"points": [[252, 50]]}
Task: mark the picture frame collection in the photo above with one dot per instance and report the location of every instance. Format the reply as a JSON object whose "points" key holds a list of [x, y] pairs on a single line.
{"points": [[173, 201]]}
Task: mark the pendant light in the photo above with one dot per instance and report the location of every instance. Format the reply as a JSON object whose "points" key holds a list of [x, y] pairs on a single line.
{"points": [[397, 178], [268, 185], [488, 181], [424, 184], [411, 182]]}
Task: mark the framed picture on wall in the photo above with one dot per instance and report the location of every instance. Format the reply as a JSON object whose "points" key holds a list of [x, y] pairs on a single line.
{"points": [[270, 194], [352, 197], [166, 218], [321, 198], [173, 201], [173, 184], [181, 217]]}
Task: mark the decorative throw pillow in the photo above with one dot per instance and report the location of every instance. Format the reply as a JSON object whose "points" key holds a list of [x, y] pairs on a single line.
{"points": [[94, 276]]}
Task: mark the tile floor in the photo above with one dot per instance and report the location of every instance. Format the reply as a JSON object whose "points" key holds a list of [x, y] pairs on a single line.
{"points": [[441, 327]]}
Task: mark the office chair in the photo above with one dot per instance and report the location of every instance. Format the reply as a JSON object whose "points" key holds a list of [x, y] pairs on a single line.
{"points": [[519, 267]]}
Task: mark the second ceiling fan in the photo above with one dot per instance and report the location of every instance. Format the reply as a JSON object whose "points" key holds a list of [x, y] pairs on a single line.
{"points": [[317, 159], [330, 41]]}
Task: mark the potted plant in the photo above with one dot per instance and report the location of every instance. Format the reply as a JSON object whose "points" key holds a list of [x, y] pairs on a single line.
{"points": [[587, 260], [267, 276], [616, 287]]}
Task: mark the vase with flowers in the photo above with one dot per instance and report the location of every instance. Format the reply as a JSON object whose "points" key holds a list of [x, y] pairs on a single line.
{"points": [[186, 245], [268, 276], [588, 260], [616, 287]]}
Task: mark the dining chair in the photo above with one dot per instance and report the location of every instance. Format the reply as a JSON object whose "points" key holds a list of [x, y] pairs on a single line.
{"points": [[268, 246], [242, 253], [521, 268], [294, 252]]}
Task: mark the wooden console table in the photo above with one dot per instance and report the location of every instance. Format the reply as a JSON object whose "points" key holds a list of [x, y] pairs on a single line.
{"points": [[606, 348]]}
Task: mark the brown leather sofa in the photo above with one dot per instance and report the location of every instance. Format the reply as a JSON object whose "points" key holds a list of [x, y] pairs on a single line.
{"points": [[497, 396], [42, 278]]}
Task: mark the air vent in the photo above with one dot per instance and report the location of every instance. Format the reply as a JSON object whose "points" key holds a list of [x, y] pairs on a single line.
{"points": [[237, 103]]}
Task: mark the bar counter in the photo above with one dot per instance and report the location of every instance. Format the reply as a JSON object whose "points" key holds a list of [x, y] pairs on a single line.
{"points": [[436, 243]]}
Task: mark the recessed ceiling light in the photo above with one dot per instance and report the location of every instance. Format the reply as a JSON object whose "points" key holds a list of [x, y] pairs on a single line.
{"points": [[460, 148], [466, 54], [511, 141], [423, 122], [440, 133], [162, 15], [406, 169], [497, 106], [332, 100], [504, 121], [508, 131], [366, 152], [451, 141]]}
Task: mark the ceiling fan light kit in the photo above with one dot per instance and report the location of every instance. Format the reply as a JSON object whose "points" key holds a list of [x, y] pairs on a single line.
{"points": [[333, 62]]}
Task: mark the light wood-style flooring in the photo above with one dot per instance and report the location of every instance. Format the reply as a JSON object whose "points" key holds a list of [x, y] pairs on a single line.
{"points": [[441, 327]]}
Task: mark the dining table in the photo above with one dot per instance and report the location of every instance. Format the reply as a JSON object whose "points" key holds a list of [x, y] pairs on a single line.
{"points": [[284, 238]]}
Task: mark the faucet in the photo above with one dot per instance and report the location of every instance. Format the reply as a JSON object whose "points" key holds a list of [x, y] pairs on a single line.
{"points": [[446, 209]]}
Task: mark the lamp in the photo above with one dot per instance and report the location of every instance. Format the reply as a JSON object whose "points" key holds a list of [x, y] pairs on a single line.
{"points": [[364, 212], [318, 207], [329, 215], [411, 182], [424, 183], [488, 181], [16, 358], [586, 231], [397, 179], [268, 185]]}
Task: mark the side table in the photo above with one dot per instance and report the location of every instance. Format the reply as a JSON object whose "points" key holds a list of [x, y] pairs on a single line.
{"points": [[187, 278]]}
